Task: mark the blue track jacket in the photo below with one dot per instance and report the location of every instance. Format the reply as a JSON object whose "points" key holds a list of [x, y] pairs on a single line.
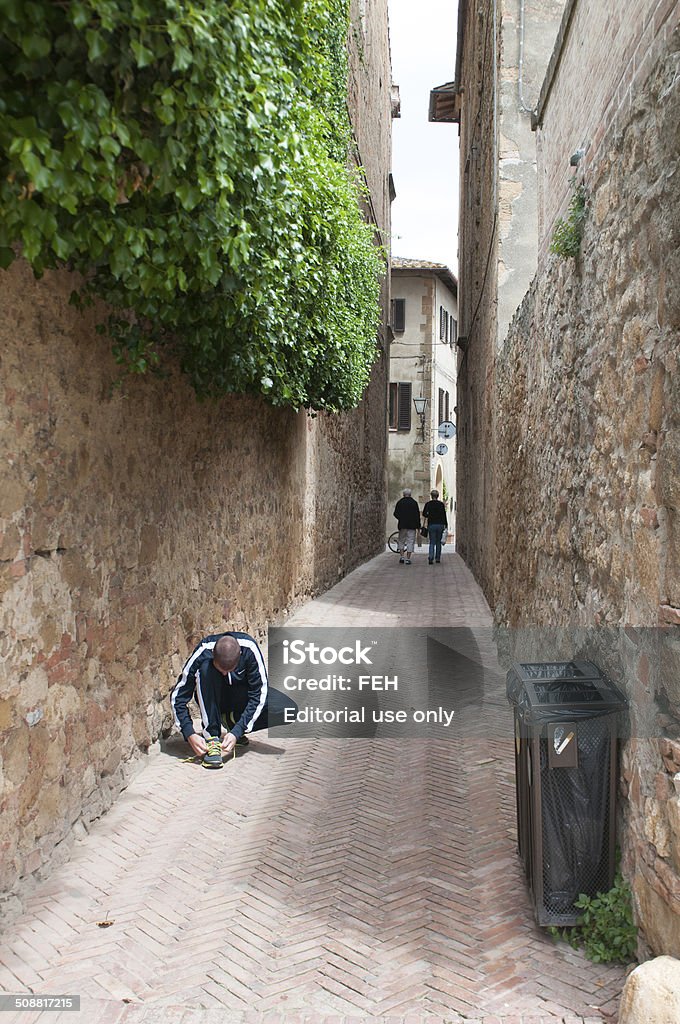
{"points": [[249, 679]]}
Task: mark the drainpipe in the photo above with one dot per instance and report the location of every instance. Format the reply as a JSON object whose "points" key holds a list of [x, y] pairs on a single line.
{"points": [[524, 109]]}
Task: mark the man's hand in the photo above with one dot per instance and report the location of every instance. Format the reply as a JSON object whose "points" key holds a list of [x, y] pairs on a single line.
{"points": [[197, 744], [228, 743]]}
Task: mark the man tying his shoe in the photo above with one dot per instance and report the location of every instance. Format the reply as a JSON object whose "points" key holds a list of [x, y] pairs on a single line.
{"points": [[226, 676]]}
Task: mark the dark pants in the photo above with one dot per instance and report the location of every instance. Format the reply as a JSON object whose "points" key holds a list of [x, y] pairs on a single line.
{"points": [[435, 530], [223, 703]]}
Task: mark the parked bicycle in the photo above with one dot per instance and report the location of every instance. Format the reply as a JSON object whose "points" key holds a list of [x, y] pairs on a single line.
{"points": [[393, 541]]}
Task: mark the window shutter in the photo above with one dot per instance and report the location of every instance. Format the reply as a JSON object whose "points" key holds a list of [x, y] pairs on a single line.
{"points": [[454, 331], [441, 322], [398, 315], [404, 407], [393, 406]]}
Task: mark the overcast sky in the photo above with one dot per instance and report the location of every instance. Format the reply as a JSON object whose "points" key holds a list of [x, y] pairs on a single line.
{"points": [[425, 156]]}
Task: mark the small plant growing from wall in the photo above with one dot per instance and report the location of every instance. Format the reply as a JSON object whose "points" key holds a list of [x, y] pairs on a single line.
{"points": [[566, 238], [606, 930]]}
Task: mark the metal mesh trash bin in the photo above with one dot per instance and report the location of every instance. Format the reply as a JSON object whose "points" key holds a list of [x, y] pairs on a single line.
{"points": [[566, 717]]}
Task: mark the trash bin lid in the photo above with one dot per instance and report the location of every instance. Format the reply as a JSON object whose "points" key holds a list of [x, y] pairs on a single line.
{"points": [[579, 686]]}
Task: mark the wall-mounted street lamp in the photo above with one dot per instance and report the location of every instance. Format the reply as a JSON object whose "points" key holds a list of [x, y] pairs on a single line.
{"points": [[420, 404]]}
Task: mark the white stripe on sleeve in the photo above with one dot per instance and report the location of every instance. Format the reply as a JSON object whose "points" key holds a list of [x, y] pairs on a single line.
{"points": [[253, 646], [185, 676]]}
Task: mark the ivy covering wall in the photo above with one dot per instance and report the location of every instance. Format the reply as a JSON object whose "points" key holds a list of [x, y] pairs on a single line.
{"points": [[191, 161]]}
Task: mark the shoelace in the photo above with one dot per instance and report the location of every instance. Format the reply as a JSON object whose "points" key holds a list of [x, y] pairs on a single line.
{"points": [[199, 757]]}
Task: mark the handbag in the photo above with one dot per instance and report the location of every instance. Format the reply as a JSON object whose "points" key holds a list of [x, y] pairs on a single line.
{"points": [[423, 531], [445, 536]]}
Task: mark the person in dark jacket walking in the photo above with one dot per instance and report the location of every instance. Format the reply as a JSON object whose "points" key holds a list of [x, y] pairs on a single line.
{"points": [[227, 678], [435, 513], [407, 514]]}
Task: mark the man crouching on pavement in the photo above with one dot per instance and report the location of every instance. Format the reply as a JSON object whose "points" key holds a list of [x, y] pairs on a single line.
{"points": [[226, 676]]}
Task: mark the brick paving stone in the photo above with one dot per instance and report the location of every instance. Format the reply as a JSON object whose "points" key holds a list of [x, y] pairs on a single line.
{"points": [[363, 880]]}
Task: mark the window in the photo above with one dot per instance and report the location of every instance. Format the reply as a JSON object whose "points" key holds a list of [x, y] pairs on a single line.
{"points": [[443, 407], [398, 315], [400, 406], [445, 321]]}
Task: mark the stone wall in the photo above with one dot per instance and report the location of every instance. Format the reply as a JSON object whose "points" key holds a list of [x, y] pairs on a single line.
{"points": [[478, 293], [498, 230], [587, 456], [134, 520]]}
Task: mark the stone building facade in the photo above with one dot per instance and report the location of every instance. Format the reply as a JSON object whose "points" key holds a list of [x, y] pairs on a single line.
{"points": [[132, 521], [570, 462], [422, 365]]}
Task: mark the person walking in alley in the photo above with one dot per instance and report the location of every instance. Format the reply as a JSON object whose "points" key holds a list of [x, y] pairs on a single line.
{"points": [[437, 522], [227, 678], [407, 514]]}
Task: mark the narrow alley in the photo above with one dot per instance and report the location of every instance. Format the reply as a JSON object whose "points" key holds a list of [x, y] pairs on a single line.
{"points": [[316, 880]]}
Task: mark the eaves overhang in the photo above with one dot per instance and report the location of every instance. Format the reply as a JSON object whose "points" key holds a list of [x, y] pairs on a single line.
{"points": [[444, 104], [425, 268], [445, 100]]}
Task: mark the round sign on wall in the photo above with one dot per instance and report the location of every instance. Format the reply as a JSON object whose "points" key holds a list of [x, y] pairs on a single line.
{"points": [[447, 429], [442, 449]]}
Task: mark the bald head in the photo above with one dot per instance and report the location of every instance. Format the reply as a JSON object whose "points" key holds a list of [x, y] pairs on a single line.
{"points": [[226, 654]]}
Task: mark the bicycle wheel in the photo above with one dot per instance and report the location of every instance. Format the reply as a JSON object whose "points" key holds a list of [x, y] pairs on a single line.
{"points": [[393, 541]]}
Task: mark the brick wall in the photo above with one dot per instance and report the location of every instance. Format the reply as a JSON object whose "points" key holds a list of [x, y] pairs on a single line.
{"points": [[605, 53]]}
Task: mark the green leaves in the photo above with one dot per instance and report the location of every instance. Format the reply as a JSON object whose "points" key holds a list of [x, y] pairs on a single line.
{"points": [[191, 162], [35, 46], [568, 232], [606, 929]]}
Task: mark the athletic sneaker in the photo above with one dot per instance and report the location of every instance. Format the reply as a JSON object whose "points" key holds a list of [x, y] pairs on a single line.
{"points": [[401, 561], [213, 755], [408, 561]]}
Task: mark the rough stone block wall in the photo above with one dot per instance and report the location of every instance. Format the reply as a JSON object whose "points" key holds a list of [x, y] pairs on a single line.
{"points": [[132, 521], [588, 462]]}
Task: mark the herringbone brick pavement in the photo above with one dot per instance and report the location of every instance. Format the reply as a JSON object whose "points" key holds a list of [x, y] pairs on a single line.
{"points": [[356, 880]]}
